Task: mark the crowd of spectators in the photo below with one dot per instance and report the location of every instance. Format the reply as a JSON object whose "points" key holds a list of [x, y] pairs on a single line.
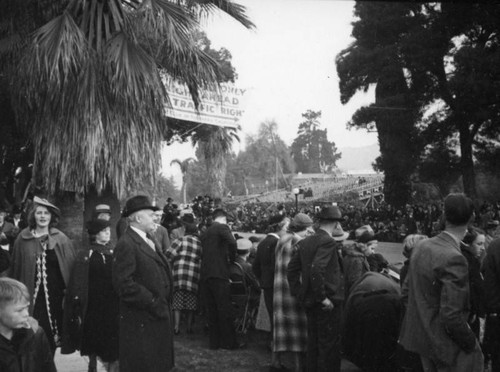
{"points": [[389, 223], [192, 236]]}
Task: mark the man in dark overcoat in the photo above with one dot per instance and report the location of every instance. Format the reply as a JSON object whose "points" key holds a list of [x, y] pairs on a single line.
{"points": [[218, 251], [142, 279], [436, 292], [491, 273], [315, 278]]}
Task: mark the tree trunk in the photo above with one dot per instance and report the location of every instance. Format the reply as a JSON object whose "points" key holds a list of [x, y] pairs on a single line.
{"points": [[71, 220], [92, 199], [467, 163], [183, 188], [395, 127]]}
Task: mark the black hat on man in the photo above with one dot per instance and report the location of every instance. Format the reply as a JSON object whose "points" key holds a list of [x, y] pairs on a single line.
{"points": [[137, 203], [330, 213]]}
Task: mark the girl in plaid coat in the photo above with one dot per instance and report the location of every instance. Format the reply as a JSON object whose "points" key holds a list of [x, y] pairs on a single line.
{"points": [[185, 258], [290, 321]]}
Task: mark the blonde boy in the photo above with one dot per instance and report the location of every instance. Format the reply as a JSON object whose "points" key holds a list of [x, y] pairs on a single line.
{"points": [[23, 344]]}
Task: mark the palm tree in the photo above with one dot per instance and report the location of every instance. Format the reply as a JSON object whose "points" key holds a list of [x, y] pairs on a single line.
{"points": [[184, 166], [215, 144], [85, 78]]}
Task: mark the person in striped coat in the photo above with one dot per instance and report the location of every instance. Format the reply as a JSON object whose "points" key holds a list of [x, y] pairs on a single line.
{"points": [[290, 321], [185, 258]]}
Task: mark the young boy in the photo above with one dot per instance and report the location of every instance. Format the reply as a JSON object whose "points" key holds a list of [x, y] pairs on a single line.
{"points": [[23, 344]]}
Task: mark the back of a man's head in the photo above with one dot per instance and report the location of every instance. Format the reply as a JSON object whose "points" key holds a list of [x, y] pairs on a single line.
{"points": [[218, 213], [458, 209]]}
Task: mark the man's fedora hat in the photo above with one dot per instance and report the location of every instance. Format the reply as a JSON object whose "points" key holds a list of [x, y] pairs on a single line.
{"points": [[52, 208], [339, 235], [137, 203], [330, 213]]}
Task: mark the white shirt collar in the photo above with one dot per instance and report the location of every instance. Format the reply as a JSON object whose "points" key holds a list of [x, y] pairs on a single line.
{"points": [[142, 234]]}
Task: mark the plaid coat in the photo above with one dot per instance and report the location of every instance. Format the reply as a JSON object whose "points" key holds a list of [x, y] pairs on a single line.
{"points": [[185, 257], [290, 321]]}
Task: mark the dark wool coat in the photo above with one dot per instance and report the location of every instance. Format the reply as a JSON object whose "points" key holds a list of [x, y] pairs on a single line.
{"points": [[96, 332], [491, 273], [263, 265], [355, 265], [26, 250], [142, 279], [28, 348], [370, 327], [314, 271], [475, 284], [218, 250]]}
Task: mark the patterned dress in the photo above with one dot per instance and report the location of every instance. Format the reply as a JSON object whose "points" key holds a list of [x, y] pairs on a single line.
{"points": [[185, 257], [290, 322], [49, 294]]}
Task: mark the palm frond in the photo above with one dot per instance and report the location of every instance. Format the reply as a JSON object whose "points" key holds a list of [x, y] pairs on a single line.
{"points": [[86, 84], [207, 7]]}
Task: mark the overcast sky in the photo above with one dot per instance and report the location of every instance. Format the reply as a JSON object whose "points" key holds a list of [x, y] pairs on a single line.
{"points": [[288, 66]]}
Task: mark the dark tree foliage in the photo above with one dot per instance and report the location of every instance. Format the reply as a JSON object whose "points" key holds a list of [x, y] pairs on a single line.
{"points": [[254, 164], [266, 157], [311, 150], [374, 58], [16, 152], [449, 56], [441, 166]]}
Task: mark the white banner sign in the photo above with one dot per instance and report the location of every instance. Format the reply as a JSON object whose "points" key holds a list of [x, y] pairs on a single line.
{"points": [[222, 108]]}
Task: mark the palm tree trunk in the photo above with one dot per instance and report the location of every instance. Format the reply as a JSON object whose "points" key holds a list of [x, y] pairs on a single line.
{"points": [[184, 187], [92, 199]]}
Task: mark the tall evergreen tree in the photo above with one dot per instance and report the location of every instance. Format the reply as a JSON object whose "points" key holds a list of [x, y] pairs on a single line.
{"points": [[448, 54], [374, 58], [311, 149]]}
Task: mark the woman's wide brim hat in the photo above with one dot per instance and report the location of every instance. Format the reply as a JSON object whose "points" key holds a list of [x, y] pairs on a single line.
{"points": [[44, 202], [96, 225], [137, 203]]}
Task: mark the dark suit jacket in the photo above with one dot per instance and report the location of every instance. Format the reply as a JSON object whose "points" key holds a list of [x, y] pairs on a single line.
{"points": [[437, 286], [142, 279], [218, 250], [314, 272], [161, 236], [491, 273], [263, 265]]}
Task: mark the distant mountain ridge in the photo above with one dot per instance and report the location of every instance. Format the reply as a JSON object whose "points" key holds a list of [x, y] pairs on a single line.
{"points": [[358, 158]]}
